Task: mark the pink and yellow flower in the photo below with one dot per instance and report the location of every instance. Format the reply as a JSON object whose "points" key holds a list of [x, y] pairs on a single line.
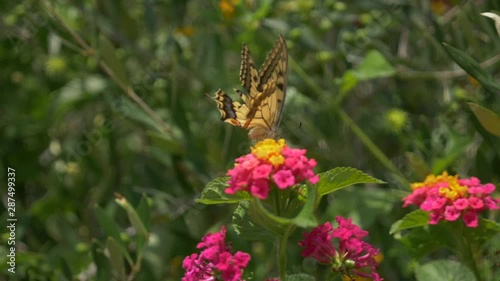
{"points": [[216, 261], [351, 256], [449, 197], [271, 163]]}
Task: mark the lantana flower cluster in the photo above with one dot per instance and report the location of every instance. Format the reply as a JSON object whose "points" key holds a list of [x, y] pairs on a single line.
{"points": [[448, 197], [350, 256], [270, 163], [216, 261]]}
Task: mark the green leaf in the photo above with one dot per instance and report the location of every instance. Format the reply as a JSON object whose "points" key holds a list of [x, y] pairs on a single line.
{"points": [[472, 67], [444, 270], [348, 82], [458, 145], [306, 217], [107, 224], [488, 119], [374, 66], [486, 230], [300, 277], [110, 227], [144, 212], [116, 258], [103, 271], [108, 54], [416, 218], [125, 108], [273, 223], [342, 177], [246, 228], [133, 217], [167, 142], [213, 193]]}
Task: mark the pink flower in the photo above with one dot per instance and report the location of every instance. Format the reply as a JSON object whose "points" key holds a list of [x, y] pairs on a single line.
{"points": [[318, 243], [270, 164], [451, 213], [284, 179], [448, 197], [351, 249], [470, 218], [215, 260], [262, 171]]}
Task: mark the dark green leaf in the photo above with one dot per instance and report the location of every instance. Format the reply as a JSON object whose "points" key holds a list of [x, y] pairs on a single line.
{"points": [[133, 217], [416, 218], [444, 270], [472, 67], [261, 216], [247, 229], [108, 55], [342, 177], [213, 193], [300, 277], [116, 258]]}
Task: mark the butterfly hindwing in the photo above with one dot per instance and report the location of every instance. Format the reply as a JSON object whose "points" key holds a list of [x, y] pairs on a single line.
{"points": [[266, 91]]}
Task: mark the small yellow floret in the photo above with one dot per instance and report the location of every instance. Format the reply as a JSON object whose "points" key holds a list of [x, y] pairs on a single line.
{"points": [[453, 191], [270, 150]]}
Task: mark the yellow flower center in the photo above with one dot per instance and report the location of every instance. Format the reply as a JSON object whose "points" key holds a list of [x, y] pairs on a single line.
{"points": [[270, 150], [453, 191]]}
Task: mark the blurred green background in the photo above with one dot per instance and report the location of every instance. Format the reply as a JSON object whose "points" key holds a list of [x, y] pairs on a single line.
{"points": [[371, 86]]}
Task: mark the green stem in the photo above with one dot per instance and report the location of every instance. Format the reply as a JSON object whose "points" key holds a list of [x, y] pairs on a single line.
{"points": [[372, 147], [282, 257]]}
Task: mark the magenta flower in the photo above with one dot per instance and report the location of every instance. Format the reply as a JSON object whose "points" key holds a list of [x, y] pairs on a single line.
{"points": [[271, 163], [352, 255], [448, 197], [216, 261]]}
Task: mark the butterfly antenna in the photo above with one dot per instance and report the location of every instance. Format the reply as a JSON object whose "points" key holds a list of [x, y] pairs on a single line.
{"points": [[291, 130]]}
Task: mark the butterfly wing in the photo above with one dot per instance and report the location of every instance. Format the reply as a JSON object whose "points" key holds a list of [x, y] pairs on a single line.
{"points": [[263, 105]]}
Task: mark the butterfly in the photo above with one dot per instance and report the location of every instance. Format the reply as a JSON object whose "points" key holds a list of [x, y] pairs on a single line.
{"points": [[263, 102]]}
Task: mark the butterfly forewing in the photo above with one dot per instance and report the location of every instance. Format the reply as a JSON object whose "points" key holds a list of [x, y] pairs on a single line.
{"points": [[249, 76], [266, 90]]}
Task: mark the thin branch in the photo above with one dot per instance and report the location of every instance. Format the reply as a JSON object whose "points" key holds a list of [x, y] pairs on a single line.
{"points": [[407, 73], [88, 50]]}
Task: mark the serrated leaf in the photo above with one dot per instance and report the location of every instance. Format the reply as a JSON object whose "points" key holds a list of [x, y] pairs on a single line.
{"points": [[213, 193], [133, 217], [108, 54], [488, 119], [444, 270], [472, 67], [416, 218], [300, 277], [116, 258], [342, 177], [246, 228], [374, 66]]}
